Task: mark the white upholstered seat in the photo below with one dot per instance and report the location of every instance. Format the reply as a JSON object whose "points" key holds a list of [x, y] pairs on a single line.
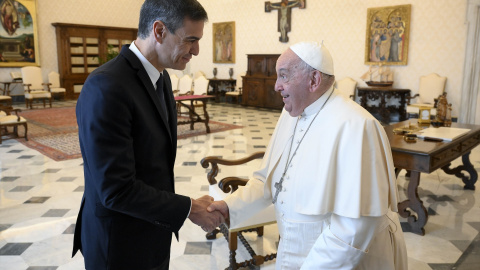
{"points": [[9, 118], [55, 89], [237, 92], [34, 86], [431, 86]]}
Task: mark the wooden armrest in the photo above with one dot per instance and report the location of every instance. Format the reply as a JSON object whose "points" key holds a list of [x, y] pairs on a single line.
{"points": [[216, 160], [230, 184], [412, 97], [9, 109]]}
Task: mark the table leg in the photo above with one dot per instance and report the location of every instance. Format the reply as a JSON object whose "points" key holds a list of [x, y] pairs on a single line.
{"points": [[191, 112], [467, 166], [205, 114], [414, 203]]}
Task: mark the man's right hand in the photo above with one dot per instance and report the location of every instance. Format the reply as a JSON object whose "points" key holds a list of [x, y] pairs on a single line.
{"points": [[203, 218], [219, 206]]}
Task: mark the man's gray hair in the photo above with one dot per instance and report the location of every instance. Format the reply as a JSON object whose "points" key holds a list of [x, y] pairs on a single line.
{"points": [[306, 68], [170, 12]]}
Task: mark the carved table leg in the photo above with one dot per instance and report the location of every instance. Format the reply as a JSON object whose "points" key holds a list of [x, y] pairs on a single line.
{"points": [[467, 166], [414, 203]]}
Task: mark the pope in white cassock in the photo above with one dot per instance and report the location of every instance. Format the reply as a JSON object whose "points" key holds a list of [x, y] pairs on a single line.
{"points": [[328, 170]]}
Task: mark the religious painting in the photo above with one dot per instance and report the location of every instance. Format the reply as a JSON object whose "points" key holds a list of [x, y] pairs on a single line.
{"points": [[224, 42], [387, 37], [18, 33], [284, 15]]}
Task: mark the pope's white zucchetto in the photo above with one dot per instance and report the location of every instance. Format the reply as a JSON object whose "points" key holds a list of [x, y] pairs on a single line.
{"points": [[314, 54]]}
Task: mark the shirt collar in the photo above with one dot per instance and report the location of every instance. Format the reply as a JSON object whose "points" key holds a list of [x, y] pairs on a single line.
{"points": [[152, 72], [315, 106]]}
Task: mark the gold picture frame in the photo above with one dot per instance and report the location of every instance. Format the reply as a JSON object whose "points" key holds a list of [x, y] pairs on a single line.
{"points": [[224, 42], [18, 33], [387, 35]]}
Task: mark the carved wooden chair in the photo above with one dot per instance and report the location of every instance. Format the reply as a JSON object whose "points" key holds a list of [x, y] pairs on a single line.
{"points": [[8, 119], [55, 89], [184, 88], [347, 87], [35, 87], [237, 92], [219, 190], [431, 87], [200, 87], [7, 100], [174, 80]]}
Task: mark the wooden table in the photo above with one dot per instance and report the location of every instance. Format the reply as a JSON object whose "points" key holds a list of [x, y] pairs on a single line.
{"points": [[383, 93], [193, 116], [215, 83], [426, 156], [6, 87]]}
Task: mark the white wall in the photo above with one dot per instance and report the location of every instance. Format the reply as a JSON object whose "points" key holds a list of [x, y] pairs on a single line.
{"points": [[437, 35]]}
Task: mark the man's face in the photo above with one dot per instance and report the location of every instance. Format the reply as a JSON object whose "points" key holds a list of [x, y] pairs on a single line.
{"points": [[292, 83], [183, 44]]}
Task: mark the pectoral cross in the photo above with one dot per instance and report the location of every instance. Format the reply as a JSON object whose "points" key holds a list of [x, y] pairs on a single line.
{"points": [[278, 188], [284, 15]]}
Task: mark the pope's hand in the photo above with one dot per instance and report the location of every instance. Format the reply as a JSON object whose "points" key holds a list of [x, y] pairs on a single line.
{"points": [[219, 206], [208, 220]]}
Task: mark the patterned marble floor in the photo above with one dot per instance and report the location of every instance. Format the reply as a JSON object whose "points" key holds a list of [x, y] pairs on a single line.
{"points": [[40, 198]]}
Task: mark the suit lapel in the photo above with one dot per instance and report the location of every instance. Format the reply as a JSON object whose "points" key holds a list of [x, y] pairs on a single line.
{"points": [[147, 83]]}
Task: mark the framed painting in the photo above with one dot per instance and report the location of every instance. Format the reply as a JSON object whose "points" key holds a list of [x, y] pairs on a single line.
{"points": [[224, 42], [387, 37], [18, 33]]}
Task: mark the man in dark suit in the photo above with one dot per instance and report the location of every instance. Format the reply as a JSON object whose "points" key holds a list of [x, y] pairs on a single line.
{"points": [[128, 138]]}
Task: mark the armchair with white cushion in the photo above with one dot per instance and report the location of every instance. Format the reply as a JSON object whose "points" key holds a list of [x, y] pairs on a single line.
{"points": [[174, 80], [347, 87], [55, 89], [200, 87], [237, 92], [220, 189], [9, 118], [431, 87], [35, 88]]}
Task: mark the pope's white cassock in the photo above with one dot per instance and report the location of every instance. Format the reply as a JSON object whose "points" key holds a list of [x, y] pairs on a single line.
{"points": [[336, 208]]}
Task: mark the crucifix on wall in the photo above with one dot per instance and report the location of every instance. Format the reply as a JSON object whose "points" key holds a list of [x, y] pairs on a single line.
{"points": [[284, 15]]}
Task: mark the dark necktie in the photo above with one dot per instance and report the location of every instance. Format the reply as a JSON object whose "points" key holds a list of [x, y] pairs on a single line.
{"points": [[161, 96]]}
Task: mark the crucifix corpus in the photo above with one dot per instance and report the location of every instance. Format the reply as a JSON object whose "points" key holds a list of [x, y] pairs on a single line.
{"points": [[284, 15]]}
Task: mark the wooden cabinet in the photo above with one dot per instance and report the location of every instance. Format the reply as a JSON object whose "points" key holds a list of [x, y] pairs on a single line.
{"points": [[259, 82], [82, 48]]}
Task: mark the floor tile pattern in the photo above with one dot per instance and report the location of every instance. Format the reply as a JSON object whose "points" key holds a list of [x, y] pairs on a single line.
{"points": [[40, 198]]}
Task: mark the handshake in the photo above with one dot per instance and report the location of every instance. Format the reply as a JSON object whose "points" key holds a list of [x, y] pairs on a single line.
{"points": [[207, 213]]}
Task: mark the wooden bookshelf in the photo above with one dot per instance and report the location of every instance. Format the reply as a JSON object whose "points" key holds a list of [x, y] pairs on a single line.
{"points": [[82, 48]]}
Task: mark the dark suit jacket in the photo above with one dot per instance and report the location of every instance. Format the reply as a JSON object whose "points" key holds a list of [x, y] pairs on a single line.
{"points": [[129, 208]]}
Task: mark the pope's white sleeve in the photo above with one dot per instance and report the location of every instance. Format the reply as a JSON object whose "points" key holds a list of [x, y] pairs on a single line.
{"points": [[246, 201], [343, 244]]}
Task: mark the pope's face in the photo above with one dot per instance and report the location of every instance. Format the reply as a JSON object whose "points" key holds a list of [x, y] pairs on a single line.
{"points": [[292, 83], [182, 45]]}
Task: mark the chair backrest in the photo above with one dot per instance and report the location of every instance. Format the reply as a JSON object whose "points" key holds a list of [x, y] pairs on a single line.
{"points": [[33, 76], [185, 84], [199, 74], [347, 86], [174, 80], [54, 79], [431, 86], [200, 85]]}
